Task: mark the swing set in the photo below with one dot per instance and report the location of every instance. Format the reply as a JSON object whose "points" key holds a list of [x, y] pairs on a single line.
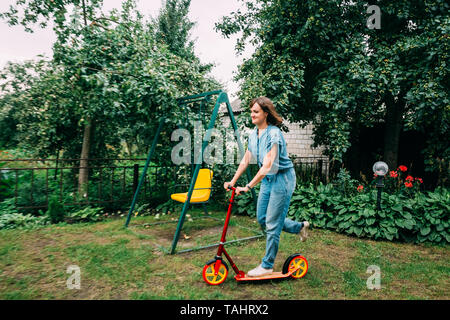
{"points": [[200, 187]]}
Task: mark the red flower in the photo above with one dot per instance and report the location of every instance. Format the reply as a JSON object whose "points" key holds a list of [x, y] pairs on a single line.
{"points": [[409, 178], [408, 184], [419, 179], [393, 174], [402, 168], [375, 175], [360, 188]]}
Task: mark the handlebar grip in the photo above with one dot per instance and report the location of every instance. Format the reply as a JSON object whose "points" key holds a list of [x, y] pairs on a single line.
{"points": [[231, 188]]}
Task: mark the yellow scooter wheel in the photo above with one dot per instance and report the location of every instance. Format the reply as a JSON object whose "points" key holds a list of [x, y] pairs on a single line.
{"points": [[209, 274], [296, 261]]}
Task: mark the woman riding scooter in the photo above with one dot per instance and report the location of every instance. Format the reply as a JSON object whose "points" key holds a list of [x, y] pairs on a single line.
{"points": [[277, 176]]}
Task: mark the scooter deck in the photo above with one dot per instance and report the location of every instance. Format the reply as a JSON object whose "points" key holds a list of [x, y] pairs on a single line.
{"points": [[273, 275]]}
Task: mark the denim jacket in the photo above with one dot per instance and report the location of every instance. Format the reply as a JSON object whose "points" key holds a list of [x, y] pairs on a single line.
{"points": [[259, 147]]}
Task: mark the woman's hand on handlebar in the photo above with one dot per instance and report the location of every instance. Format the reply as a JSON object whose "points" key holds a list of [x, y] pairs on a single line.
{"points": [[226, 185], [241, 189]]}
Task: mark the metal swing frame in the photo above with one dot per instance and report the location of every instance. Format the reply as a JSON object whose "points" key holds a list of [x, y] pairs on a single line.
{"points": [[204, 98]]}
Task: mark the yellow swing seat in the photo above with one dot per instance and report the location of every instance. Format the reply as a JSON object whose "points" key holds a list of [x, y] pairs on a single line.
{"points": [[202, 188]]}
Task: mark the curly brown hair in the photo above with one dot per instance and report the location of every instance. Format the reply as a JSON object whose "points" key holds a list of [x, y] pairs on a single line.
{"points": [[267, 106]]}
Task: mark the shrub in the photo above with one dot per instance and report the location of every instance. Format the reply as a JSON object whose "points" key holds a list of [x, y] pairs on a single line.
{"points": [[344, 183], [416, 218], [244, 203], [16, 220], [55, 210], [10, 218], [87, 214], [7, 206], [168, 206]]}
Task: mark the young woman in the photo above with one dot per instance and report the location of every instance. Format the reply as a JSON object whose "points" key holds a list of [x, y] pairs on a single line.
{"points": [[266, 144]]}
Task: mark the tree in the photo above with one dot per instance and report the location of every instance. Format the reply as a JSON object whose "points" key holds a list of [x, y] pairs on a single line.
{"points": [[173, 28], [109, 80], [321, 64]]}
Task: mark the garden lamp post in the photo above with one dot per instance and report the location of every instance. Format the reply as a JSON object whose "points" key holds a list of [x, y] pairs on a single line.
{"points": [[380, 168]]}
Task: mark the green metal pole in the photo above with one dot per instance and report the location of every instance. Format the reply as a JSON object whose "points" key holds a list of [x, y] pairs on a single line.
{"points": [[200, 95], [217, 244], [222, 96], [150, 154]]}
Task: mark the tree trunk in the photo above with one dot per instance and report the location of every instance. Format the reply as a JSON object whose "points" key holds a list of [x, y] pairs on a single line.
{"points": [[393, 128], [83, 177], [83, 174]]}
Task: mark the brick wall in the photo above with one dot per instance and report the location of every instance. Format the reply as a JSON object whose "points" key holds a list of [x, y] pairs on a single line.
{"points": [[299, 140]]}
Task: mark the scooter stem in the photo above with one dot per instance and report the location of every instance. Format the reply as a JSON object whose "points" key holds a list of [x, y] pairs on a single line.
{"points": [[221, 250], [227, 219]]}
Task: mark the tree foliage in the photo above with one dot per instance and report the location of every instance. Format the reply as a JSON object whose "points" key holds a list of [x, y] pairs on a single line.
{"points": [[321, 64], [112, 70]]}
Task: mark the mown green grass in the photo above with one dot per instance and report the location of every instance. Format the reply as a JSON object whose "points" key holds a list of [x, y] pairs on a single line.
{"points": [[119, 263]]}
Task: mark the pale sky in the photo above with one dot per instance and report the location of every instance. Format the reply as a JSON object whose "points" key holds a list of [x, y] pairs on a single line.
{"points": [[210, 47]]}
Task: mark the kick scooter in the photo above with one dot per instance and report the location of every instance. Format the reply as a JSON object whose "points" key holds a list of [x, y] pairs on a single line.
{"points": [[215, 271]]}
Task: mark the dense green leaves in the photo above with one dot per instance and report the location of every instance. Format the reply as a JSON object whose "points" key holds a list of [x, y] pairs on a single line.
{"points": [[320, 63], [113, 71], [424, 217], [31, 12]]}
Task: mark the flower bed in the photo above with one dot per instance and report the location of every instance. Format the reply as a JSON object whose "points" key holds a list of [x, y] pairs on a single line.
{"points": [[406, 214]]}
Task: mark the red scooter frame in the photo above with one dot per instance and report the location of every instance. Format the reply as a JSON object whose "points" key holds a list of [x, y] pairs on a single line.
{"points": [[215, 271]]}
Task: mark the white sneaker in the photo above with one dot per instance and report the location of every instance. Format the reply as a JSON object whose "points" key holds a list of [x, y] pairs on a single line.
{"points": [[304, 231], [259, 271]]}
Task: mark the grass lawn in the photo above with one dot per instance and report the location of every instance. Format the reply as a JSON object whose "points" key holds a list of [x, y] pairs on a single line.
{"points": [[119, 263]]}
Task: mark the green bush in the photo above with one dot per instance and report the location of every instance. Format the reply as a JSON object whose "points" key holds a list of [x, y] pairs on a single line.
{"points": [[344, 183], [87, 214], [10, 218], [244, 203], [414, 218], [7, 206], [55, 210], [168, 206], [16, 220], [6, 184]]}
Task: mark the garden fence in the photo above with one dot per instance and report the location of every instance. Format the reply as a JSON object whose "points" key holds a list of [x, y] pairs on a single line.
{"points": [[112, 182]]}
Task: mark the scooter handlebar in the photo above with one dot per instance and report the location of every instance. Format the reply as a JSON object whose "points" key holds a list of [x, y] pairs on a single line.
{"points": [[231, 188]]}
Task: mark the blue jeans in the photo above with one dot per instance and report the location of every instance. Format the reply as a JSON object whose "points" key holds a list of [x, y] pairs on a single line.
{"points": [[273, 204]]}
